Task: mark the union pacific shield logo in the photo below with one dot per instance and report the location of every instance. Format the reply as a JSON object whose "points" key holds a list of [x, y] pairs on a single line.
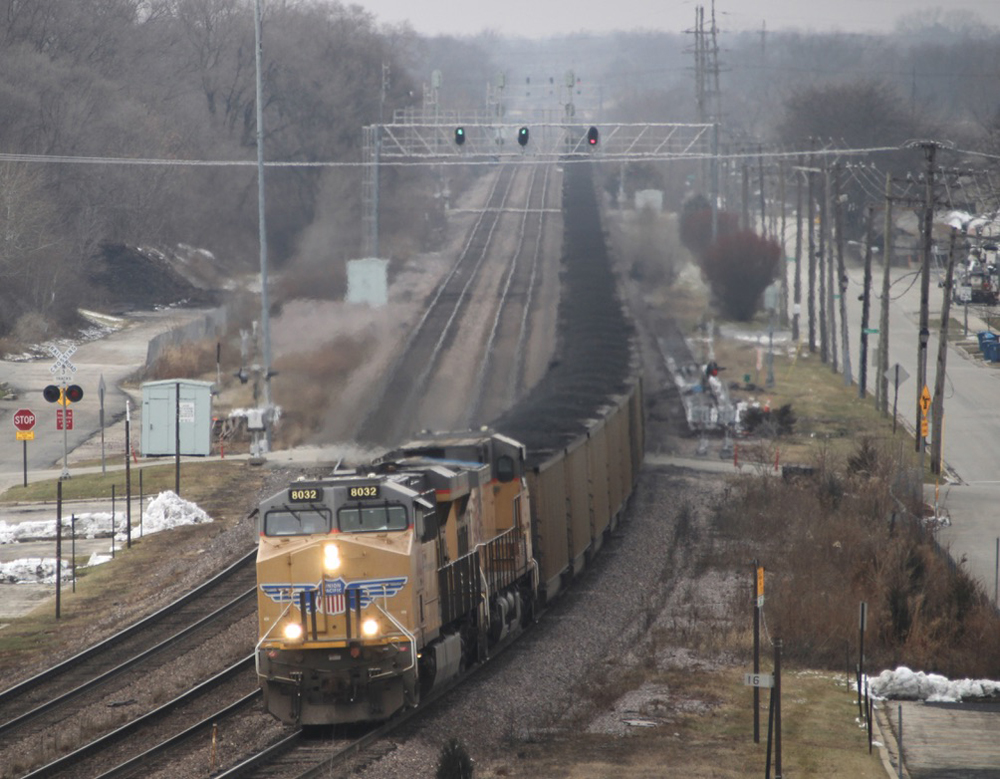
{"points": [[336, 594]]}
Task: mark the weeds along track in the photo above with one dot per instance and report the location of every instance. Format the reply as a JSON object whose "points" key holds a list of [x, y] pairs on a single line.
{"points": [[32, 710], [395, 411]]}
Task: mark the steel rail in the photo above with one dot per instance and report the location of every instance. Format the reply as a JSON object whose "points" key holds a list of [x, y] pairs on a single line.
{"points": [[122, 667], [108, 739], [47, 675]]}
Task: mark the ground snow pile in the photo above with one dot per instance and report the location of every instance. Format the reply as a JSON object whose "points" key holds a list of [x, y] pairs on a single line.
{"points": [[34, 570], [907, 685], [167, 510]]}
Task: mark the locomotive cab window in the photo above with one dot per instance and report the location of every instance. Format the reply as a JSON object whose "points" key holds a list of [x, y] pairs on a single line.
{"points": [[289, 522], [369, 519]]}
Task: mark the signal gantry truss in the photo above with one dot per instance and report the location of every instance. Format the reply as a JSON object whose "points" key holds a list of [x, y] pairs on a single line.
{"points": [[419, 142], [483, 141]]}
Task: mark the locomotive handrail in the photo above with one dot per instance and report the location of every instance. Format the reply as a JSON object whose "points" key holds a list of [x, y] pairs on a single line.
{"points": [[256, 649], [412, 638]]}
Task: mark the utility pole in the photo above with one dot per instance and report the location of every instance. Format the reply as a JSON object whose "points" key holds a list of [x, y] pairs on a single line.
{"points": [[760, 183], [930, 150], [265, 315], [883, 326], [746, 197], [831, 284], [824, 354], [865, 306], [715, 181], [812, 261], [937, 404], [784, 251], [378, 149], [842, 280], [797, 286]]}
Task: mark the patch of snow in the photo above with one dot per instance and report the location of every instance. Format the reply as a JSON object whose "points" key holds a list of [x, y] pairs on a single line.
{"points": [[163, 512], [908, 685]]}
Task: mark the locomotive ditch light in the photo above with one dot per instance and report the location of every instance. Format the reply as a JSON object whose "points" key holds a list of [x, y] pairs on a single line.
{"points": [[370, 628], [293, 631], [331, 557]]}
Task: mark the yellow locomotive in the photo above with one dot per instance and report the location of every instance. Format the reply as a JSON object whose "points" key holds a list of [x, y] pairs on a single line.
{"points": [[378, 585]]}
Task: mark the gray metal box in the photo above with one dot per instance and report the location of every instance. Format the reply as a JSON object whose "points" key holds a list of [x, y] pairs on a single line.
{"points": [[160, 417]]}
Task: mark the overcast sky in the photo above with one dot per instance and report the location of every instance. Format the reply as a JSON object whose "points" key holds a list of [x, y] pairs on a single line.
{"points": [[541, 18]]}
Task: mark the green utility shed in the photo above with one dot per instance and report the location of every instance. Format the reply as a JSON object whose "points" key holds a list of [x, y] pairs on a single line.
{"points": [[163, 416]]}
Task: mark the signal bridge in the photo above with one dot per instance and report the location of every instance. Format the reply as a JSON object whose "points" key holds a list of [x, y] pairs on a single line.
{"points": [[450, 138], [457, 140]]}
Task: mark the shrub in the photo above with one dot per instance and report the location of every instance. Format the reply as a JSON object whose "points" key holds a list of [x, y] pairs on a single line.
{"points": [[696, 225], [767, 423], [455, 762], [738, 268], [829, 543]]}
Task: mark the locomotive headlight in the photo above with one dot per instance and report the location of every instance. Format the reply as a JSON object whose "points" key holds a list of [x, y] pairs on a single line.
{"points": [[369, 628], [293, 631], [331, 557]]}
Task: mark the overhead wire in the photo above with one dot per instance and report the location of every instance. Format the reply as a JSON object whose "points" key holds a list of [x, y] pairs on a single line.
{"points": [[424, 159]]}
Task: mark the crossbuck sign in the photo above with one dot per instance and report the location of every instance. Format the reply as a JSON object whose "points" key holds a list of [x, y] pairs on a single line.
{"points": [[62, 368]]}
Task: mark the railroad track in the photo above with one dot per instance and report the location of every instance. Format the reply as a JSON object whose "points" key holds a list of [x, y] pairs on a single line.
{"points": [[123, 751], [395, 412], [498, 382], [36, 706], [302, 755]]}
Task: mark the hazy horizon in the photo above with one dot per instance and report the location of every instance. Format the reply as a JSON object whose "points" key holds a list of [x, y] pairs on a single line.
{"points": [[554, 17]]}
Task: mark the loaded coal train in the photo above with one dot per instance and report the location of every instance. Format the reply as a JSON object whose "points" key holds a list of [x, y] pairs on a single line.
{"points": [[378, 585]]}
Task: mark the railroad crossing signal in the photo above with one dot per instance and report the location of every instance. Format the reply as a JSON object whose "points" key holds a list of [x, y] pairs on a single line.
{"points": [[64, 396]]}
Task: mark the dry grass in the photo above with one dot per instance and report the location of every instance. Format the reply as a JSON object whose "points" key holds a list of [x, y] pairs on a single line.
{"points": [[840, 538], [197, 479], [311, 383], [100, 602], [714, 737], [190, 361]]}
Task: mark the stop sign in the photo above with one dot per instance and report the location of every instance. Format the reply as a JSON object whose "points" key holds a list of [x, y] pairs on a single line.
{"points": [[24, 419]]}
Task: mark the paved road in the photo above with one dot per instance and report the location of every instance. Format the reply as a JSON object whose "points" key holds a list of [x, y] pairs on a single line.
{"points": [[971, 418], [116, 357]]}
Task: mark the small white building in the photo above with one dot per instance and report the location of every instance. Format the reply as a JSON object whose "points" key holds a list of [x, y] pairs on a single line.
{"points": [[170, 406]]}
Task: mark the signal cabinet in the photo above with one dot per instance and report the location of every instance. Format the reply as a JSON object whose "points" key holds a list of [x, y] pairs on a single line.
{"points": [[161, 412]]}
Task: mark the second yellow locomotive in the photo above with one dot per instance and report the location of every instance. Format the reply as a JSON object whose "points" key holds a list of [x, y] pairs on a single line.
{"points": [[376, 586]]}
